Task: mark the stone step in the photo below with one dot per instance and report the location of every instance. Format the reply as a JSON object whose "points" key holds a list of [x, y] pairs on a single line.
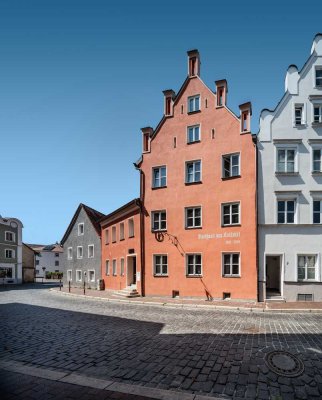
{"points": [[126, 292], [275, 299]]}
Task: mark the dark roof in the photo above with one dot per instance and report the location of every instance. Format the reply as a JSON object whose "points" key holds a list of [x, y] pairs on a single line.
{"points": [[134, 202], [93, 215]]}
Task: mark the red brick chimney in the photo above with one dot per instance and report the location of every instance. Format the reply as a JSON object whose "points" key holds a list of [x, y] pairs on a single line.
{"points": [[193, 63], [147, 132], [221, 92]]}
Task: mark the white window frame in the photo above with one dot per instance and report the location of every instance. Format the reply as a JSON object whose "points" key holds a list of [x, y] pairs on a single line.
{"points": [[231, 274], [194, 208], [303, 114], [122, 267], [193, 98], [114, 234], [317, 67], [193, 128], [230, 204], [78, 255], [159, 220], [162, 264], [90, 245], [13, 254], [159, 185], [193, 162], [131, 227], [79, 231], [88, 276], [316, 267], [107, 267], [287, 147], [122, 231], [81, 275], [69, 253], [194, 264], [13, 236], [286, 199], [69, 275], [114, 267], [317, 103], [230, 156]]}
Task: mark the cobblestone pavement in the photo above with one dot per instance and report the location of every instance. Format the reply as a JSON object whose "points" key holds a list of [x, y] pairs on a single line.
{"points": [[196, 351]]}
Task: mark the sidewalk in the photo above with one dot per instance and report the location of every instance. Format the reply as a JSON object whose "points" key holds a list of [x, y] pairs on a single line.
{"points": [[107, 295]]}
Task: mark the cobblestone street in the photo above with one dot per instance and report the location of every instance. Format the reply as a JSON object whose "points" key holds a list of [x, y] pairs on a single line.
{"points": [[208, 352]]}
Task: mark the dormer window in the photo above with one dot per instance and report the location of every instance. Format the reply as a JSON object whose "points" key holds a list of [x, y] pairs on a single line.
{"points": [[81, 229], [318, 77], [193, 103]]}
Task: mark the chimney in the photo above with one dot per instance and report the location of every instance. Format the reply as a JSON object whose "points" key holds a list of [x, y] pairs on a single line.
{"points": [[221, 91], [193, 63], [147, 132], [245, 114], [169, 96]]}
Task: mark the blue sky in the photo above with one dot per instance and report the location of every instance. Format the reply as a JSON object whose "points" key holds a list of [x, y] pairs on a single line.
{"points": [[79, 78]]}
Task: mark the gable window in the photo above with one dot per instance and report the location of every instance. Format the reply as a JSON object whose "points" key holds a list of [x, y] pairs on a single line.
{"points": [[56, 263], [122, 231], [79, 252], [9, 253], [69, 275], [90, 251], [298, 114], [160, 264], [317, 113], [231, 165], [193, 171], [114, 268], [56, 254], [193, 134], [317, 160], [230, 214], [107, 267], [159, 178], [107, 239], [159, 220], [194, 264], [10, 236], [113, 234], [193, 103], [317, 211], [318, 77], [231, 264], [286, 160], [193, 217], [131, 228], [69, 253], [81, 229], [78, 275], [122, 267], [306, 267], [286, 211]]}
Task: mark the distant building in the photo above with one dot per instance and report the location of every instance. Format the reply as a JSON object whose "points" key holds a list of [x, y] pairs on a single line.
{"points": [[28, 263], [50, 258], [82, 248], [10, 250]]}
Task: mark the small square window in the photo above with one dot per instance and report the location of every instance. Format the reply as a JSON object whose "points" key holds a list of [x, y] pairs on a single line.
{"points": [[10, 236], [231, 165], [230, 214], [193, 103], [193, 134], [159, 220], [81, 229], [193, 217], [160, 264], [159, 177], [193, 171], [56, 254]]}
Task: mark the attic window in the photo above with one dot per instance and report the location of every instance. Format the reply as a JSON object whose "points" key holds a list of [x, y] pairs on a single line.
{"points": [[81, 229], [168, 106], [146, 142], [206, 103], [174, 142], [244, 122], [182, 109], [220, 97]]}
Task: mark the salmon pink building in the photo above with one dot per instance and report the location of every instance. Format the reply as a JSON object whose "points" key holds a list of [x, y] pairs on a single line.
{"points": [[198, 190]]}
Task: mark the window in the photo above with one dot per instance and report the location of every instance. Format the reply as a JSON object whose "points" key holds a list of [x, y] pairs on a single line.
{"points": [[193, 134], [113, 234], [317, 160], [317, 116], [69, 275], [56, 263], [286, 211], [37, 262], [107, 240], [193, 171], [122, 267], [10, 236], [317, 211], [122, 231], [79, 252], [69, 253], [231, 165], [91, 276], [220, 96], [159, 177], [230, 214], [107, 267], [194, 264], [131, 228], [5, 272], [56, 254], [9, 253], [318, 77], [160, 264], [231, 264], [306, 267], [78, 275], [193, 103], [90, 251], [193, 217], [81, 229], [298, 114], [159, 220], [286, 160], [114, 268]]}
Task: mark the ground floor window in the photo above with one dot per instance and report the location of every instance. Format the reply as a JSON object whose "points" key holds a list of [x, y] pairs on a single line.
{"points": [[306, 267], [107, 267], [160, 266], [193, 264], [5, 272], [231, 265], [122, 266], [78, 275], [91, 276], [114, 268], [69, 275]]}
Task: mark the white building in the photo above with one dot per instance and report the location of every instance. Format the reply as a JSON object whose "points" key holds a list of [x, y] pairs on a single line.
{"points": [[50, 258], [290, 187]]}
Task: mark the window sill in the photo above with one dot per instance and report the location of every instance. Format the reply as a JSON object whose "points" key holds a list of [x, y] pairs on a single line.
{"points": [[159, 187], [158, 230], [194, 276], [193, 142], [287, 173], [130, 237], [231, 276], [220, 106], [317, 124], [227, 178], [193, 112], [114, 241], [188, 228], [160, 276], [193, 183], [317, 173], [121, 240], [226, 226], [308, 281]]}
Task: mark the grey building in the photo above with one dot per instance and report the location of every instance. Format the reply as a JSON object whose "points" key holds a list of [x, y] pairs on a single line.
{"points": [[82, 248], [10, 250]]}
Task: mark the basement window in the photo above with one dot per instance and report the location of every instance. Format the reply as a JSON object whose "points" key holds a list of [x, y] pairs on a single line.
{"points": [[304, 297]]}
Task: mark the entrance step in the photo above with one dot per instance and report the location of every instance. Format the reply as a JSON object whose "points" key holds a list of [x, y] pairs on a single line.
{"points": [[275, 299], [128, 292]]}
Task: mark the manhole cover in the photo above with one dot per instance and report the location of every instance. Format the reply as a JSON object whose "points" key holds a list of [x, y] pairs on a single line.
{"points": [[284, 363]]}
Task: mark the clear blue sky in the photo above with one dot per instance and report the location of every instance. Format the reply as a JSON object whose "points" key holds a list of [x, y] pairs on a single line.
{"points": [[79, 78]]}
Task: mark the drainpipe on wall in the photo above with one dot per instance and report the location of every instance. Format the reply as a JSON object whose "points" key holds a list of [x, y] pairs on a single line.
{"points": [[254, 137]]}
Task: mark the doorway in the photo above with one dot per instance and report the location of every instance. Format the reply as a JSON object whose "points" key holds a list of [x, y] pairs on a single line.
{"points": [[273, 275], [131, 270]]}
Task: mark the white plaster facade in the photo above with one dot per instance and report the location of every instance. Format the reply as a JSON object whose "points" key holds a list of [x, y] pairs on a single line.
{"points": [[289, 242], [49, 259]]}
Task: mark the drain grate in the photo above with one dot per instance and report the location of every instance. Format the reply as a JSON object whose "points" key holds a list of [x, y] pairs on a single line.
{"points": [[284, 363]]}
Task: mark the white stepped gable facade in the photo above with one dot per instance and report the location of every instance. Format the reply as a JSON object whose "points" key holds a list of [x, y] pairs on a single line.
{"points": [[290, 187]]}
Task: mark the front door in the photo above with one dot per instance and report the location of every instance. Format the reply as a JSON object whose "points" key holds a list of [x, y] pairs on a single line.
{"points": [[131, 270], [273, 275]]}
